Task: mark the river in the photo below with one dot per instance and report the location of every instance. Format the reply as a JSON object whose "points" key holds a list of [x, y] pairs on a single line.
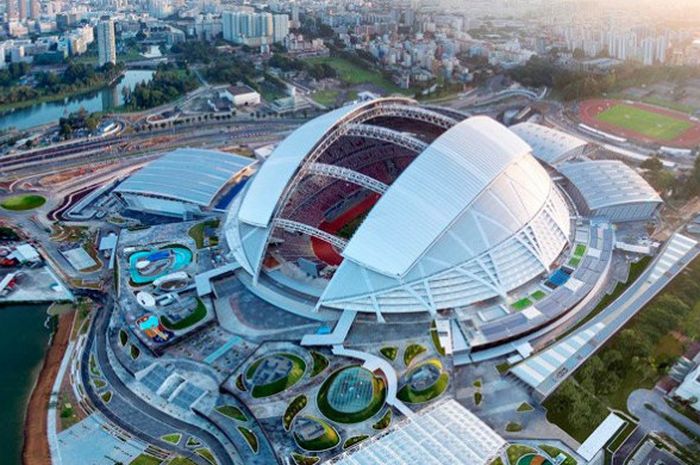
{"points": [[23, 344], [49, 112]]}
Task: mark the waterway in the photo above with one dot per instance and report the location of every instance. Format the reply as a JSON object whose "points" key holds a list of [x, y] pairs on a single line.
{"points": [[106, 99], [23, 344]]}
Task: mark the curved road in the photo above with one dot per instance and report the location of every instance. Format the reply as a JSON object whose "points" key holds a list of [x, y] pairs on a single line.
{"points": [[98, 336]]}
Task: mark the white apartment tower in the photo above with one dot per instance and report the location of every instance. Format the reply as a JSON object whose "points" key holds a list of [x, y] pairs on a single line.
{"points": [[106, 45]]}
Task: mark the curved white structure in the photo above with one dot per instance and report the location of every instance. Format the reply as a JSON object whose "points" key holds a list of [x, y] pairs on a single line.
{"points": [[471, 217]]}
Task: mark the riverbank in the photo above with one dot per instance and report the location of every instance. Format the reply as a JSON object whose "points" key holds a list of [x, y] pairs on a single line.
{"points": [[10, 107], [35, 450]]}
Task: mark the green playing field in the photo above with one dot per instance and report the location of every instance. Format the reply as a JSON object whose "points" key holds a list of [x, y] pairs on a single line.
{"points": [[647, 123]]}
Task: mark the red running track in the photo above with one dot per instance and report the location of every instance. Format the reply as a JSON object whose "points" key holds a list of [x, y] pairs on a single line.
{"points": [[325, 251], [590, 109]]}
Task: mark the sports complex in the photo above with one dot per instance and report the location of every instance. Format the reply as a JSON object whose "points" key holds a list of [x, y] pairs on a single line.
{"points": [[389, 208], [640, 122]]}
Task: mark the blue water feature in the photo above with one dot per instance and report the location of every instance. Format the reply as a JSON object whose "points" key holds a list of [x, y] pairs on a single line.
{"points": [[211, 358], [181, 257]]}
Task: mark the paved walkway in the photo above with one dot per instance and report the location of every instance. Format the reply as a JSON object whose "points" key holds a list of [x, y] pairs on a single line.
{"points": [[652, 421]]}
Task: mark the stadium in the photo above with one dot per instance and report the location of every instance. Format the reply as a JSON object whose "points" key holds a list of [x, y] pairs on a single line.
{"points": [[390, 208]]}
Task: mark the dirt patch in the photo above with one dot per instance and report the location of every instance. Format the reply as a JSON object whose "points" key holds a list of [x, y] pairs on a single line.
{"points": [[36, 445]]}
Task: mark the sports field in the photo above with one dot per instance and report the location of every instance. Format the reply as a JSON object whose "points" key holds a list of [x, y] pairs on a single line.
{"points": [[648, 123]]}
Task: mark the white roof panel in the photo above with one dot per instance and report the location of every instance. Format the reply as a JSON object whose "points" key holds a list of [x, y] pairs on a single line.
{"points": [[549, 145], [608, 183], [432, 193], [189, 175]]}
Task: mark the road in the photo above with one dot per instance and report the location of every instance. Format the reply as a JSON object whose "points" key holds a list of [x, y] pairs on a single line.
{"points": [[135, 415]]}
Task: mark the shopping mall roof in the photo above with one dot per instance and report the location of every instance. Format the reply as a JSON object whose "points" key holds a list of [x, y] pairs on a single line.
{"points": [[443, 434], [549, 145], [608, 183], [188, 175]]}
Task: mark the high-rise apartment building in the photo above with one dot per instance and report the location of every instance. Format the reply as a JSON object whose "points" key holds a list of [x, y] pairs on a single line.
{"points": [[106, 44]]}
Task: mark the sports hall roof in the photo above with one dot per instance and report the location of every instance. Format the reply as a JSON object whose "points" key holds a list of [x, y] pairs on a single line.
{"points": [[548, 144], [188, 175], [443, 434], [607, 183]]}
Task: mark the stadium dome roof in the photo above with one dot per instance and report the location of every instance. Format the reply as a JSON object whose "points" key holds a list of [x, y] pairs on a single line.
{"points": [[473, 216]]}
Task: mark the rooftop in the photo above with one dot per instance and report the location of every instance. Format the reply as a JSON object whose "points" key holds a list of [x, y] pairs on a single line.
{"points": [[549, 145], [188, 175]]}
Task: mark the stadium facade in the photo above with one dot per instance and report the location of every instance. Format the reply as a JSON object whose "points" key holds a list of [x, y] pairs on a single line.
{"points": [[389, 207]]}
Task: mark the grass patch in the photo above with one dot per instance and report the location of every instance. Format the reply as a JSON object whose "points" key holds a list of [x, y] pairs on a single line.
{"points": [[145, 459], [354, 440], [477, 384], [181, 461], [327, 98], [524, 407], [320, 363], [384, 421], [99, 384], [574, 262], [106, 397], [206, 455], [352, 74], [197, 315], [325, 441], [232, 411], [539, 295], [503, 368], [375, 404], [134, 351], [579, 250], [240, 384], [197, 231], [300, 459], [521, 304], [123, 337], [23, 202], [193, 442], [250, 437], [513, 427], [275, 387], [478, 398], [516, 451], [173, 438], [293, 409], [389, 352], [436, 339], [497, 461], [411, 352], [554, 452], [647, 123], [621, 436], [412, 396]]}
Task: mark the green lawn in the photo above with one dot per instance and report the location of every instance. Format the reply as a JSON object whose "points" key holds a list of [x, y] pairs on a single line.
{"points": [[516, 451], [524, 407], [354, 440], [207, 455], [521, 304], [412, 396], [300, 459], [173, 438], [145, 459], [329, 439], [293, 409], [539, 295], [197, 315], [275, 387], [320, 363], [580, 250], [645, 122], [23, 202], [232, 411], [250, 437], [390, 352], [384, 421], [327, 98], [353, 74], [411, 352], [196, 232], [554, 453]]}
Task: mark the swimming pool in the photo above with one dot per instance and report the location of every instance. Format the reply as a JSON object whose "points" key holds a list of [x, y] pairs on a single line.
{"points": [[149, 322], [180, 256]]}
